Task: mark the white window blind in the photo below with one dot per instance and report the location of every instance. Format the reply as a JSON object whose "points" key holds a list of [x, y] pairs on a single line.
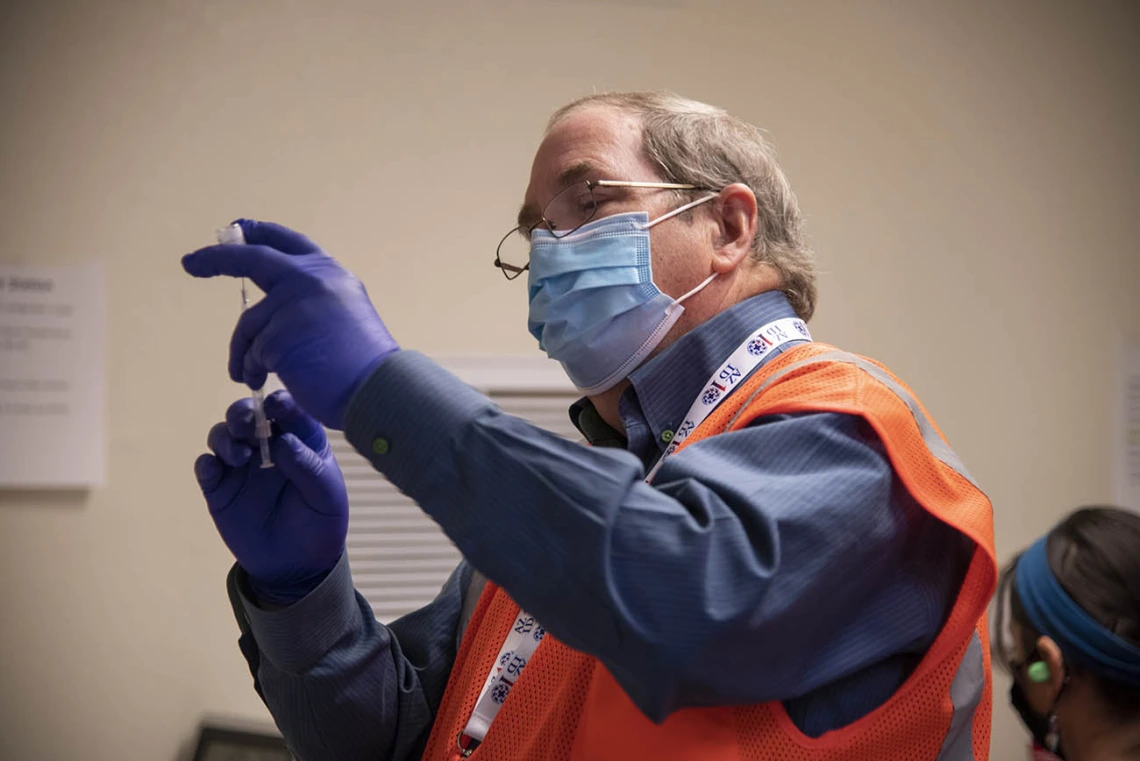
{"points": [[398, 555]]}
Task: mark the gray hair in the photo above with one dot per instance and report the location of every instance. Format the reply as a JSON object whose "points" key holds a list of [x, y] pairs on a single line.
{"points": [[698, 144]]}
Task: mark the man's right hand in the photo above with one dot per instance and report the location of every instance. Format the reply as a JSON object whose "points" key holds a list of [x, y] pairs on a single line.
{"points": [[286, 525]]}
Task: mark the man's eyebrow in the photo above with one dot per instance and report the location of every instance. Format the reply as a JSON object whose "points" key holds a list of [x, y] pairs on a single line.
{"points": [[576, 173], [529, 215]]}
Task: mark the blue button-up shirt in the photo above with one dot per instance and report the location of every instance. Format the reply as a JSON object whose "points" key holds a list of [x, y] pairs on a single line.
{"points": [[785, 561]]}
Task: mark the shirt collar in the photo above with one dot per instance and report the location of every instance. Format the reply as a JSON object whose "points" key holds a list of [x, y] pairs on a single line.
{"points": [[663, 389]]}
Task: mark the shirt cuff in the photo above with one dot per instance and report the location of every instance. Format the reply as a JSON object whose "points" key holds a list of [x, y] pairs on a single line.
{"points": [[296, 637], [403, 417]]}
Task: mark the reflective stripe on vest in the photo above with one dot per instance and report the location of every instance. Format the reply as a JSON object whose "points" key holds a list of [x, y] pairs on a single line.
{"points": [[934, 442], [965, 694]]}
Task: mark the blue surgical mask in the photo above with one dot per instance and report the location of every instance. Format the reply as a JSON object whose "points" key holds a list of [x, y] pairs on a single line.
{"points": [[593, 304]]}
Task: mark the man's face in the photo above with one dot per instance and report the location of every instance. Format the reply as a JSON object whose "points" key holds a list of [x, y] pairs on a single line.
{"points": [[600, 143]]}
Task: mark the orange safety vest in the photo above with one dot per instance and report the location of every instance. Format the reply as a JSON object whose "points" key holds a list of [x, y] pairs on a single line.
{"points": [[565, 705]]}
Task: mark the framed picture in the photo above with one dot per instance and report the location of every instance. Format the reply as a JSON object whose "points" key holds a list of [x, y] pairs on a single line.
{"points": [[217, 744]]}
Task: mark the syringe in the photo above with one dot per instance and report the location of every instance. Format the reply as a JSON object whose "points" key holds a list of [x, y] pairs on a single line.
{"points": [[261, 427]]}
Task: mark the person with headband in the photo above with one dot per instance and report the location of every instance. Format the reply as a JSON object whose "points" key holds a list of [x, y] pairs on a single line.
{"points": [[1068, 629]]}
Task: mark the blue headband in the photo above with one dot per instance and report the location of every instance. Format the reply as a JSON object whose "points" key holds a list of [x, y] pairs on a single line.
{"points": [[1054, 614]]}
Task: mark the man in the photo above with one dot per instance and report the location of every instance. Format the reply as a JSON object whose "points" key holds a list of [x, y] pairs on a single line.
{"points": [[804, 574]]}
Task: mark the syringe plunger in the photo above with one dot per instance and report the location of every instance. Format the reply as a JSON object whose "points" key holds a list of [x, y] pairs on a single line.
{"points": [[232, 234]]}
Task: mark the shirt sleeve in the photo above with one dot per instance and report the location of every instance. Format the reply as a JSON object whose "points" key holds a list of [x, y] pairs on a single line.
{"points": [[761, 565], [339, 684]]}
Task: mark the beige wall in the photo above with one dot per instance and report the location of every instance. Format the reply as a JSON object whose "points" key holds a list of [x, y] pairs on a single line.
{"points": [[968, 170]]}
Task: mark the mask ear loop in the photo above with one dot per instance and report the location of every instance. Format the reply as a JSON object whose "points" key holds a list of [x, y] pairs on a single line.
{"points": [[681, 209], [695, 291]]}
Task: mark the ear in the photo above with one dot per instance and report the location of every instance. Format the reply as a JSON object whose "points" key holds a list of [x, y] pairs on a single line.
{"points": [[734, 211], [1051, 656]]}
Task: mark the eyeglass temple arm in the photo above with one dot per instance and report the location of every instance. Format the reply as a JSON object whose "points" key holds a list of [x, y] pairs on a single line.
{"points": [[632, 184], [509, 267]]}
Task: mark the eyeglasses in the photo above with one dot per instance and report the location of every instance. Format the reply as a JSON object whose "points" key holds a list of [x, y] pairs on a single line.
{"points": [[572, 207]]}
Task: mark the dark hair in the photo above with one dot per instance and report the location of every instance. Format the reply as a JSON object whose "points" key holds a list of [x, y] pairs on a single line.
{"points": [[1095, 555]]}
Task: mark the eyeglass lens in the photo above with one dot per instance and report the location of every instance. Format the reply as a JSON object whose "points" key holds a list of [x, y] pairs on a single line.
{"points": [[573, 207]]}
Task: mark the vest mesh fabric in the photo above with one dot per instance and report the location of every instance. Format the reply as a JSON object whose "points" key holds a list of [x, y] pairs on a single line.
{"points": [[566, 706]]}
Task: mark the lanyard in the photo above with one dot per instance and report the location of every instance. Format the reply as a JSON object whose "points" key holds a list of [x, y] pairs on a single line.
{"points": [[520, 644], [740, 364], [526, 633]]}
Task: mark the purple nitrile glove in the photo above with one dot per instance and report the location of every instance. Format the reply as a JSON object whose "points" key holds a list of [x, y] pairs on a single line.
{"points": [[315, 328], [286, 526]]}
